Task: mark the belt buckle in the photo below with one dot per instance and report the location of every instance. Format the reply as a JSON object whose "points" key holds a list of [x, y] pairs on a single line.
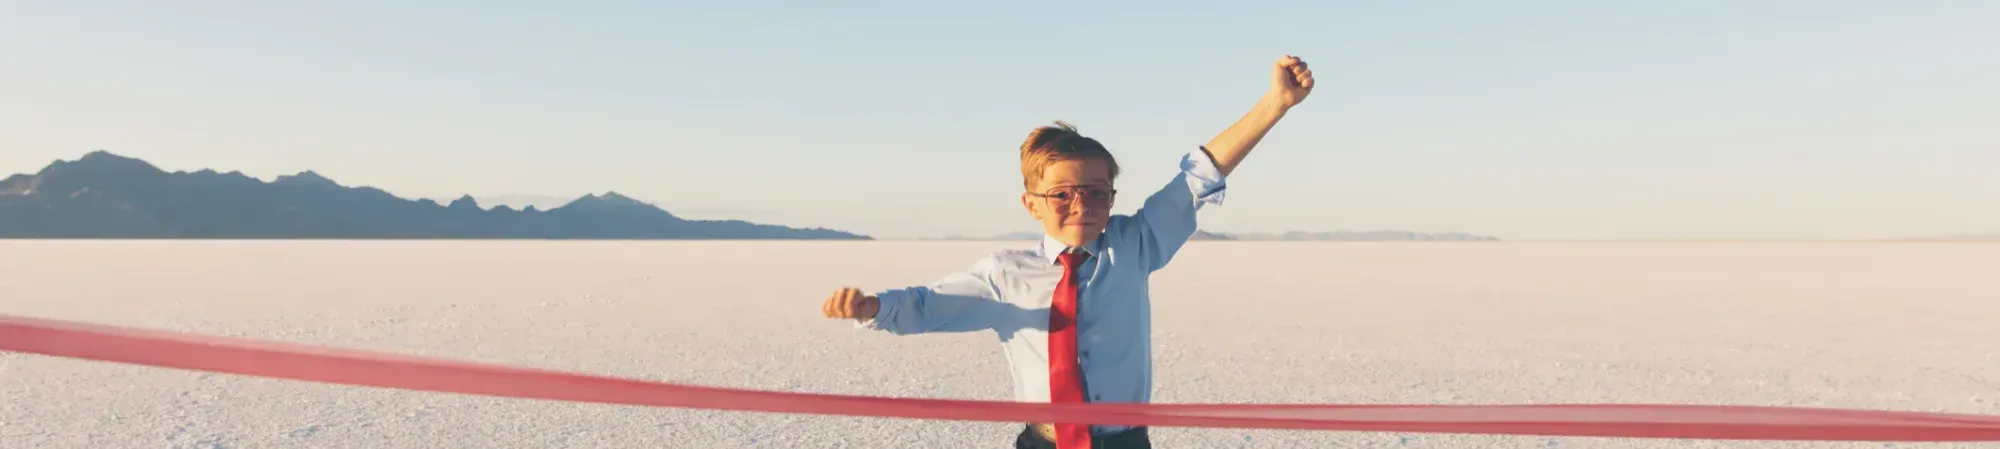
{"points": [[1047, 431]]}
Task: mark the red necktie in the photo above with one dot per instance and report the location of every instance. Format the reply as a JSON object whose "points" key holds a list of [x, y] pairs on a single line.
{"points": [[1065, 376]]}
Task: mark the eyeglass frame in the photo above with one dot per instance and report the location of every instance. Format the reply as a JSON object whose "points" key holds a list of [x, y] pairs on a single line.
{"points": [[1079, 192]]}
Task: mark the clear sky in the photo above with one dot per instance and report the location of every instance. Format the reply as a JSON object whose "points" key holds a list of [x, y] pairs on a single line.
{"points": [[1589, 119]]}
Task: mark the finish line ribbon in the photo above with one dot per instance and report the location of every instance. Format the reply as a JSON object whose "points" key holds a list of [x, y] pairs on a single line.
{"points": [[376, 369]]}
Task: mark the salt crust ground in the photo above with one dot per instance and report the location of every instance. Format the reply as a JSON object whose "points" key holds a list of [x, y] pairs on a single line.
{"points": [[1907, 326]]}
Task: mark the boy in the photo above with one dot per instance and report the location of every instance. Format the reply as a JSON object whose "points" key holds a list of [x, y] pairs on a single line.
{"points": [[1073, 314]]}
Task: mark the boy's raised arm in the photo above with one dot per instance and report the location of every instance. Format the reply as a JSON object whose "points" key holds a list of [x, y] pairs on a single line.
{"points": [[1291, 81], [1167, 220]]}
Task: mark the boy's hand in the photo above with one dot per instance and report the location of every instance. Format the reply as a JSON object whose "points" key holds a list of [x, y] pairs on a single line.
{"points": [[1291, 81], [848, 302]]}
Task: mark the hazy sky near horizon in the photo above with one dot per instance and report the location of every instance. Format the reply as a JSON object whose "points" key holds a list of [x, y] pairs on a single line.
{"points": [[1526, 119]]}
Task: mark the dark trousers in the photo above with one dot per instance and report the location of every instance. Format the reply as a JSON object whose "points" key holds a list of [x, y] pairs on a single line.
{"points": [[1130, 439]]}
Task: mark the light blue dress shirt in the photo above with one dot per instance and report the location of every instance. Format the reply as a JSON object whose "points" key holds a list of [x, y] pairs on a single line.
{"points": [[1010, 292]]}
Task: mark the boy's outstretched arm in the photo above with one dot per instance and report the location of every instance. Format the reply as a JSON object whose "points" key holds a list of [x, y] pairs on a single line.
{"points": [[1291, 81], [960, 302]]}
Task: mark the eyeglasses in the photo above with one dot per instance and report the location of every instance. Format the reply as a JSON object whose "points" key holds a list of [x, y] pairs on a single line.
{"points": [[1092, 195]]}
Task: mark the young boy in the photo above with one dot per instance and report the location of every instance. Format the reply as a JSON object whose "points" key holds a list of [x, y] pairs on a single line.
{"points": [[1073, 313]]}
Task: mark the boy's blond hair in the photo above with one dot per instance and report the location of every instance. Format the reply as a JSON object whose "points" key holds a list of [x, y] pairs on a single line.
{"points": [[1059, 142]]}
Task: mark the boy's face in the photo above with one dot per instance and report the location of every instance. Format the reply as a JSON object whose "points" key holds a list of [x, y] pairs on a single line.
{"points": [[1072, 201]]}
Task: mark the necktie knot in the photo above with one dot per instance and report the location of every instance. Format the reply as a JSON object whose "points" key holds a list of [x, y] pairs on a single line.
{"points": [[1070, 259]]}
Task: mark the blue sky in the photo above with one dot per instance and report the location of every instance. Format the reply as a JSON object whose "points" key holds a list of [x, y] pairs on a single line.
{"points": [[1522, 119]]}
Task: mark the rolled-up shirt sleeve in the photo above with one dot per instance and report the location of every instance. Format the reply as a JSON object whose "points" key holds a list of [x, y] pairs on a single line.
{"points": [[1167, 220]]}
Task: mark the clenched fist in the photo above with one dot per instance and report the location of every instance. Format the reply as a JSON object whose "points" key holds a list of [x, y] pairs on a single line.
{"points": [[1291, 81], [848, 302]]}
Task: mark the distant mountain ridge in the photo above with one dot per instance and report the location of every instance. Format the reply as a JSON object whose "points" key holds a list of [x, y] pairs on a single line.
{"points": [[1366, 236], [104, 195], [1965, 237], [1342, 236]]}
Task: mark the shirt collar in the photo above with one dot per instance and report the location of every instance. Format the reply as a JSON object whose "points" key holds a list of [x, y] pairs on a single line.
{"points": [[1051, 248]]}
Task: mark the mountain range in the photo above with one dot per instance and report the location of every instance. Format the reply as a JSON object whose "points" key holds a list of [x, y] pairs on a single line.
{"points": [[104, 195], [1343, 236], [1361, 236]]}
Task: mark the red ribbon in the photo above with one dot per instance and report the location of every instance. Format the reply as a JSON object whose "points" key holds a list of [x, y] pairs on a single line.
{"points": [[351, 367]]}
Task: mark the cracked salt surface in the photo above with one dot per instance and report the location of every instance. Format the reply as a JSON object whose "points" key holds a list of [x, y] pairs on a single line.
{"points": [[1867, 325]]}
